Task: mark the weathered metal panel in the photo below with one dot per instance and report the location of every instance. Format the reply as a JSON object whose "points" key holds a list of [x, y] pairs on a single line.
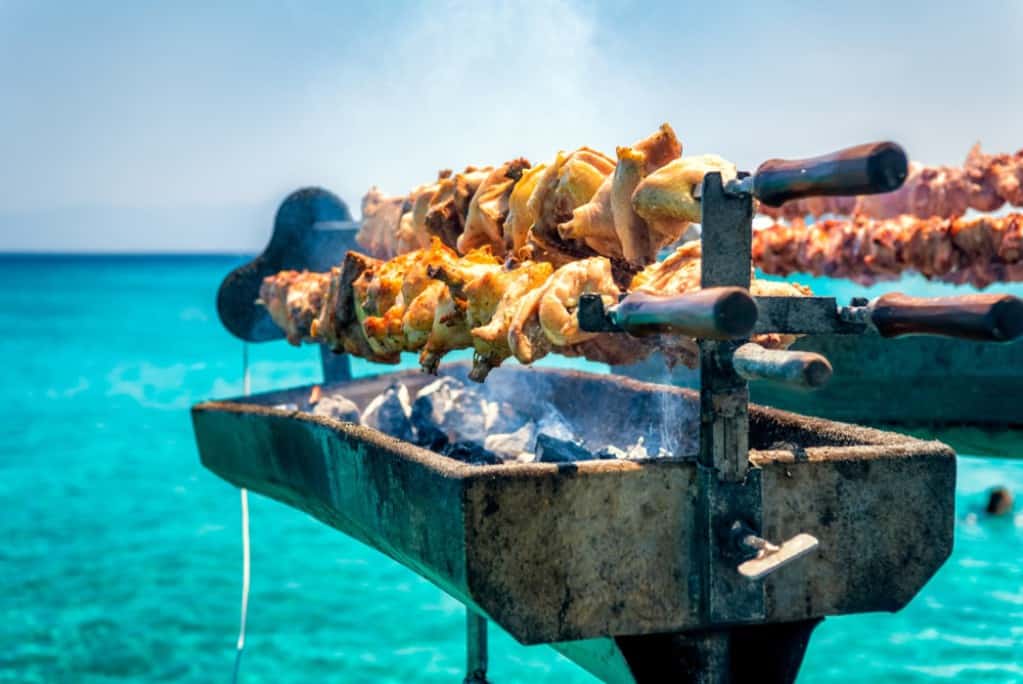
{"points": [[578, 551], [403, 501], [554, 553]]}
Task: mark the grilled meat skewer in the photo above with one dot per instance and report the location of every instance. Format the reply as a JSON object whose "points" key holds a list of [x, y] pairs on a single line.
{"points": [[978, 251], [432, 301], [985, 182]]}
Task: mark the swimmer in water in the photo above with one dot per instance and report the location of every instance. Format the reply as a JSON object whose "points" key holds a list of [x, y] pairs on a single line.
{"points": [[999, 501]]}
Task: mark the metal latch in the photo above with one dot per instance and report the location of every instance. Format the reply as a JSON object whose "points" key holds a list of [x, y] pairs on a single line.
{"points": [[769, 557]]}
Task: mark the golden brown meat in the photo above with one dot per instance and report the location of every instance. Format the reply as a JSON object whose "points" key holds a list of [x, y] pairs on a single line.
{"points": [[451, 324], [433, 301], [484, 224], [490, 319], [593, 224], [295, 298], [560, 299], [978, 251], [449, 206], [679, 273], [520, 215], [338, 324], [568, 182], [381, 214], [607, 224], [633, 234], [666, 200]]}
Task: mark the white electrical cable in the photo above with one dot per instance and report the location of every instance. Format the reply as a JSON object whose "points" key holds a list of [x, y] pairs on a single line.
{"points": [[246, 390]]}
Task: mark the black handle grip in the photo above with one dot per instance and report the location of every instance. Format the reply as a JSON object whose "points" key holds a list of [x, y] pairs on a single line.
{"points": [[862, 170], [986, 318], [716, 313]]}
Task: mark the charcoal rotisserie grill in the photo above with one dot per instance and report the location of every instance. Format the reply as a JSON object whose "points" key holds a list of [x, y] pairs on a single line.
{"points": [[629, 568]]}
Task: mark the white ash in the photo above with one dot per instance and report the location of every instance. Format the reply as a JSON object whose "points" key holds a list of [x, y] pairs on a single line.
{"points": [[286, 407], [391, 413], [338, 407], [513, 446], [633, 452], [449, 409], [480, 425]]}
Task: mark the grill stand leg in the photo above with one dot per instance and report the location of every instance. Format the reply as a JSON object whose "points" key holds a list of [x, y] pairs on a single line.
{"points": [[475, 648], [755, 653], [336, 367]]}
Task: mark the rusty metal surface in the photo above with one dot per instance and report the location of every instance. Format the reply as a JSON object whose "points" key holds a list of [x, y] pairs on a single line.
{"points": [[556, 553]]}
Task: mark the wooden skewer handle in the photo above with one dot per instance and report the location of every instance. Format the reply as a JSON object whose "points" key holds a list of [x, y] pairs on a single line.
{"points": [[861, 170], [804, 369], [986, 318], [715, 313]]}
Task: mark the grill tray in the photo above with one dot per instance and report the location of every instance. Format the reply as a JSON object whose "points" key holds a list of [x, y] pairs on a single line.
{"points": [[558, 552]]}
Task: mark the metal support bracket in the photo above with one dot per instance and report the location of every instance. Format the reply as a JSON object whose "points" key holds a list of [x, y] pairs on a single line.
{"points": [[729, 488]]}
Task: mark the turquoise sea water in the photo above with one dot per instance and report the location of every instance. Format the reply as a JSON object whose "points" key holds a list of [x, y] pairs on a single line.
{"points": [[120, 556]]}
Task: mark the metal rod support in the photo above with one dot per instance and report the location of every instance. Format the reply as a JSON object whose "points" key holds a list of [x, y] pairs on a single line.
{"points": [[475, 648]]}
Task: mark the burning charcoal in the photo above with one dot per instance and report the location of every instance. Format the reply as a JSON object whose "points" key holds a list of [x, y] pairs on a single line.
{"points": [[390, 413], [611, 451], [337, 407], [471, 453], [510, 446], [448, 408], [553, 450]]}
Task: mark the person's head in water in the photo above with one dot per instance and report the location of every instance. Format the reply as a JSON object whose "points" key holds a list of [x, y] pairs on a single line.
{"points": [[999, 501]]}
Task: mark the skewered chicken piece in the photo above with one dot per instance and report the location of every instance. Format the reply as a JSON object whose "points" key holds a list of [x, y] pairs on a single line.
{"points": [[666, 198], [484, 223], [490, 325], [544, 318], [338, 325], [380, 294], [451, 322], [412, 234], [381, 214], [680, 273], [396, 225], [581, 205], [433, 301], [999, 177], [608, 225], [568, 182], [985, 182], [978, 251], [449, 207], [520, 216], [294, 299]]}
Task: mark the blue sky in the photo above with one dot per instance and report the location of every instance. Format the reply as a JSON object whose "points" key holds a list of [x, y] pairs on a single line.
{"points": [[180, 126]]}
